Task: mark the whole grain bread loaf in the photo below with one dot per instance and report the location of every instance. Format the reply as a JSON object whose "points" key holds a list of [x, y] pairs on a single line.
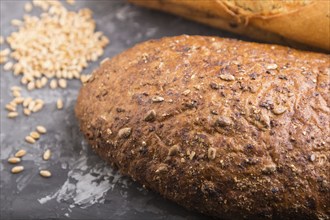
{"points": [[292, 22], [231, 129]]}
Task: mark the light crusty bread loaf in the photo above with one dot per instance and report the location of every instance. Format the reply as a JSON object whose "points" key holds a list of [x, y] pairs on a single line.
{"points": [[228, 128], [276, 21]]}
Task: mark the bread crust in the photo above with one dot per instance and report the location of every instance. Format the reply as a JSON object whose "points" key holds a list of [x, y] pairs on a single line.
{"points": [[232, 129], [286, 22]]}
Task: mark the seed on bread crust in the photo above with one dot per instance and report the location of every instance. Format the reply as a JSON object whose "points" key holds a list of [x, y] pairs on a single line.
{"points": [[157, 99], [124, 132], [150, 116]]}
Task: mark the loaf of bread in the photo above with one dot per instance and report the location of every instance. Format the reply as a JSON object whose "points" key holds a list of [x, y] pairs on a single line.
{"points": [[232, 129], [293, 22]]}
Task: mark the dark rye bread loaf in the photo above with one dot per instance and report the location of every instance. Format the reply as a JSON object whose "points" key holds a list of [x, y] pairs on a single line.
{"points": [[231, 129]]}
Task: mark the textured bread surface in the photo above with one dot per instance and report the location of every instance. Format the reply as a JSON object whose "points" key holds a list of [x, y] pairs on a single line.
{"points": [[232, 129], [290, 22]]}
